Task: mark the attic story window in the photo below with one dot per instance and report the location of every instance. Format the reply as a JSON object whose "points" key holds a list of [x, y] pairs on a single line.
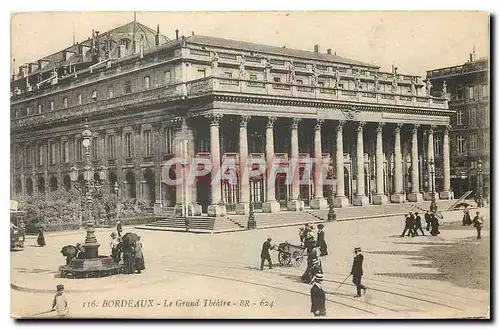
{"points": [[94, 95], [128, 87]]}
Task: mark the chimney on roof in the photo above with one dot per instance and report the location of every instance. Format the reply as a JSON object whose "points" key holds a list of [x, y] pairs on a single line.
{"points": [[30, 67], [192, 33], [141, 47], [157, 36], [329, 51], [177, 34], [316, 48]]}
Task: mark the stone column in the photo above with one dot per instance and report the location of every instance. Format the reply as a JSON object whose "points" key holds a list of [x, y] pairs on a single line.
{"points": [[380, 197], [430, 155], [415, 195], [340, 200], [360, 199], [398, 195], [215, 209], [157, 133], [319, 202], [271, 205], [294, 203], [446, 193], [243, 207]]}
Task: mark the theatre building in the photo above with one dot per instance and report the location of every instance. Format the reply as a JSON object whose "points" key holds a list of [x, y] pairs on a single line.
{"points": [[149, 99]]}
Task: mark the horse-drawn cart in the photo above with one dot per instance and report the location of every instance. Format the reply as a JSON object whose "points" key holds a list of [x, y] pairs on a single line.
{"points": [[289, 254]]}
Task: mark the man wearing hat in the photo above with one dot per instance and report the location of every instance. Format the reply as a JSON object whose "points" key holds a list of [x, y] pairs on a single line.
{"points": [[264, 254], [321, 243], [478, 224], [318, 296], [418, 224], [357, 271], [60, 304]]}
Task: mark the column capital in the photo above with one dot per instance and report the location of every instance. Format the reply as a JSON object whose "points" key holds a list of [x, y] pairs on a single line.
{"points": [[295, 123], [415, 128], [398, 127], [214, 118], [340, 125], [270, 122], [244, 120], [380, 126], [360, 125], [447, 130], [431, 129], [319, 123]]}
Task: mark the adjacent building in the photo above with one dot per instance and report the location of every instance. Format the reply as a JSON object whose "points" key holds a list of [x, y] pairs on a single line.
{"points": [[280, 127], [467, 88]]}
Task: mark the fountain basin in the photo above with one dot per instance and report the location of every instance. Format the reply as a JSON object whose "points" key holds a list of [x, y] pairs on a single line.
{"points": [[83, 268]]}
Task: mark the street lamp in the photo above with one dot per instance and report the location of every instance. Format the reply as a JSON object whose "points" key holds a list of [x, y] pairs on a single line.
{"points": [[480, 183], [433, 207]]}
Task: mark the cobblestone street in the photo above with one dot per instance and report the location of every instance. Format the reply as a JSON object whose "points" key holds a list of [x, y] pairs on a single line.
{"points": [[421, 277]]}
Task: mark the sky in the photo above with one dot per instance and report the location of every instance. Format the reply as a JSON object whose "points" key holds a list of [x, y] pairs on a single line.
{"points": [[414, 41]]}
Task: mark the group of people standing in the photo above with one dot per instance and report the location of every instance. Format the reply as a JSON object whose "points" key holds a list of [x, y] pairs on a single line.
{"points": [[316, 247], [477, 222], [130, 252], [413, 224]]}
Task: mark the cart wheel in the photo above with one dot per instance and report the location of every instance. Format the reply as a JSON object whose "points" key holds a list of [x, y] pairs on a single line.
{"points": [[297, 258], [283, 259]]}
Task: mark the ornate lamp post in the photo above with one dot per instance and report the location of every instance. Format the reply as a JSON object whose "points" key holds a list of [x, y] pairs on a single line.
{"points": [[480, 183], [433, 207], [251, 224]]}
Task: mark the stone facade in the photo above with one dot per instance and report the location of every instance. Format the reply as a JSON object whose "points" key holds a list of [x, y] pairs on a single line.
{"points": [[467, 88], [320, 126]]}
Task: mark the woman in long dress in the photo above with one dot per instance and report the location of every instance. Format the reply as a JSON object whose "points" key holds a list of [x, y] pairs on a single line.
{"points": [[41, 237], [139, 257], [323, 247]]}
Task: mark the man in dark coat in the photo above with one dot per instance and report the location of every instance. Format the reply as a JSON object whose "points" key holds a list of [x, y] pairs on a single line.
{"points": [[466, 219], [264, 254], [321, 243], [418, 224], [427, 217], [478, 224], [357, 271], [318, 296], [138, 256], [119, 228], [408, 225]]}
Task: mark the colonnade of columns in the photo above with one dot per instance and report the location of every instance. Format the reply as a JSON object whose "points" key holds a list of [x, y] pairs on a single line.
{"points": [[340, 200]]}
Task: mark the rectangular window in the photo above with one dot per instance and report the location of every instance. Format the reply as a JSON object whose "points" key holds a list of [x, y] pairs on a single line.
{"points": [[437, 146], [148, 142], [94, 95], [167, 77], [16, 113], [476, 93], [147, 83], [471, 93], [111, 147], [460, 144], [168, 141], [253, 77], [28, 155], [39, 108], [228, 75], [472, 117], [277, 79], [201, 73], [128, 87], [28, 111], [80, 99], [111, 92], [40, 155], [65, 102], [473, 142], [65, 152], [485, 91], [51, 105], [95, 149], [459, 117], [300, 82], [204, 145], [79, 150], [128, 145], [16, 156]]}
